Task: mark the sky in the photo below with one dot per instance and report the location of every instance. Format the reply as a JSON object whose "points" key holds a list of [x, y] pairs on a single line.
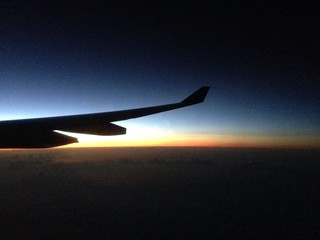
{"points": [[261, 60]]}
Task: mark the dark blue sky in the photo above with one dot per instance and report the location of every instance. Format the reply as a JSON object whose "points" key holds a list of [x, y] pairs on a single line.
{"points": [[260, 59]]}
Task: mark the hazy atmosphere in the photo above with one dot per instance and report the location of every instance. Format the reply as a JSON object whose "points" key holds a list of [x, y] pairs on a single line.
{"points": [[160, 193]]}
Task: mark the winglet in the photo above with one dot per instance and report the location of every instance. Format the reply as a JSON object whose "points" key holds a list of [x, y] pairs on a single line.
{"points": [[196, 97]]}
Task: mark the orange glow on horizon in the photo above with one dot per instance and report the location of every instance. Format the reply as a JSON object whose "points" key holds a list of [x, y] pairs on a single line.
{"points": [[169, 139]]}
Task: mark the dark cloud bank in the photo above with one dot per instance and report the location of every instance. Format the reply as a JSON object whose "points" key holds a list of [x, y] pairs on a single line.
{"points": [[160, 193]]}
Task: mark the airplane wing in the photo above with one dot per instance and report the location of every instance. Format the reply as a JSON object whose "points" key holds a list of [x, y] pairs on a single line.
{"points": [[40, 132]]}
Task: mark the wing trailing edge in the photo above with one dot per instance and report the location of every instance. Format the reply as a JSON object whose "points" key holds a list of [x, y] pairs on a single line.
{"points": [[39, 132]]}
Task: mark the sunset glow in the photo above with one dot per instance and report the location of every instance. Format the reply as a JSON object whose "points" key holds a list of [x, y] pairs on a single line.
{"points": [[163, 138], [155, 120]]}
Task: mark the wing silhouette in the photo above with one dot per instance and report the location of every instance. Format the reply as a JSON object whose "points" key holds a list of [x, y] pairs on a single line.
{"points": [[40, 132]]}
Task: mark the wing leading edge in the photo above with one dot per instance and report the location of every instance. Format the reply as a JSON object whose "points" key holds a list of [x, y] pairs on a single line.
{"points": [[39, 132]]}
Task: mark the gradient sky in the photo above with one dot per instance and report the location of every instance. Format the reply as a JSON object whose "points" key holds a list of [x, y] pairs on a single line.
{"points": [[260, 59]]}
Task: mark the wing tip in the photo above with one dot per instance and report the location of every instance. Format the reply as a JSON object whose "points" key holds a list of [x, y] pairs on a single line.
{"points": [[196, 97]]}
